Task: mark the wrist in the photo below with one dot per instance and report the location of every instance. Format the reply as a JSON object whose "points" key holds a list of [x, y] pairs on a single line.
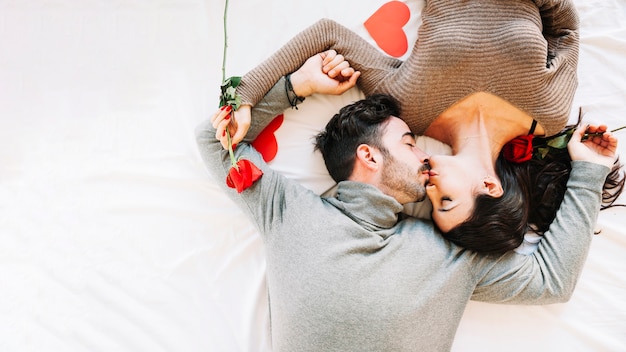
{"points": [[292, 94], [299, 83]]}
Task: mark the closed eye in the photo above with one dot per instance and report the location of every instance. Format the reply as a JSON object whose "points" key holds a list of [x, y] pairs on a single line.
{"points": [[409, 139], [443, 200]]}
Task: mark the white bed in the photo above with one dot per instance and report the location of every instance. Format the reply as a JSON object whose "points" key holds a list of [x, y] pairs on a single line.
{"points": [[114, 237]]}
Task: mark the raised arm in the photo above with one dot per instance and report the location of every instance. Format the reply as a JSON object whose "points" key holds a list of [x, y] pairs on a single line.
{"points": [[551, 273], [321, 36], [561, 30], [309, 79], [266, 195]]}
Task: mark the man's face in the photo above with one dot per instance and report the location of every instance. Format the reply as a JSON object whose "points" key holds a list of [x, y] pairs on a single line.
{"points": [[404, 173]]}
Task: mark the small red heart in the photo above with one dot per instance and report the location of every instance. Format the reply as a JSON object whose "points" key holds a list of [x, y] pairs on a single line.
{"points": [[385, 27], [265, 143]]}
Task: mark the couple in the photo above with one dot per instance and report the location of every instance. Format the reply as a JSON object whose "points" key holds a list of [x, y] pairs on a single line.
{"points": [[481, 73], [344, 274]]}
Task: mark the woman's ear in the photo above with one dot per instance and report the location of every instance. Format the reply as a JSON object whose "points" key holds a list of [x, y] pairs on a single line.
{"points": [[492, 186], [368, 157]]}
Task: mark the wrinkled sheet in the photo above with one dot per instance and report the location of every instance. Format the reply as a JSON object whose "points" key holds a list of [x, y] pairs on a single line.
{"points": [[114, 237]]}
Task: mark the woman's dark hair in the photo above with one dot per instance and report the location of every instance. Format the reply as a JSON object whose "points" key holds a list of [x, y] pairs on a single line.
{"points": [[359, 123], [533, 192], [497, 224], [549, 179]]}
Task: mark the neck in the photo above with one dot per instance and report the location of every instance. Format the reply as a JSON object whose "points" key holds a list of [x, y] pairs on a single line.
{"points": [[482, 124], [473, 141], [478, 137]]}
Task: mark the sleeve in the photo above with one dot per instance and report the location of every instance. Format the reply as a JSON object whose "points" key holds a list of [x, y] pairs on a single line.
{"points": [[550, 274], [561, 30], [260, 201], [271, 104], [323, 35]]}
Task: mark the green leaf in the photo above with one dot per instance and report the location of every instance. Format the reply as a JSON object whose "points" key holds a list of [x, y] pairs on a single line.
{"points": [[234, 81], [229, 93], [559, 142]]}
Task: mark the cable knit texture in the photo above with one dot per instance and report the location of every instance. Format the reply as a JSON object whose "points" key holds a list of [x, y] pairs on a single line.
{"points": [[523, 51]]}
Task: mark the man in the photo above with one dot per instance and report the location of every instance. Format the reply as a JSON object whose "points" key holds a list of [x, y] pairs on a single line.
{"points": [[344, 274]]}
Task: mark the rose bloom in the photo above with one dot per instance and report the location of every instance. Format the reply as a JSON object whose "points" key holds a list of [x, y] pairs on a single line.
{"points": [[243, 175], [519, 149]]}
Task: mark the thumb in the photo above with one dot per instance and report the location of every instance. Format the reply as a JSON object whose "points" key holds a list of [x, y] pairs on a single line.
{"points": [[240, 133], [578, 133], [351, 82]]}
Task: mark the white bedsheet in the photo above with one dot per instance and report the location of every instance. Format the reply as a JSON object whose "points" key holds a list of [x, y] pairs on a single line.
{"points": [[114, 238]]}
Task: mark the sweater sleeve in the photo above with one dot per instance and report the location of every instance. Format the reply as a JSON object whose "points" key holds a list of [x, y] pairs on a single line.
{"points": [[267, 193], [323, 35], [561, 30], [551, 273]]}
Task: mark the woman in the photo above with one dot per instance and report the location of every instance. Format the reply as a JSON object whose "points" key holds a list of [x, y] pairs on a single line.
{"points": [[481, 200], [523, 51], [480, 74]]}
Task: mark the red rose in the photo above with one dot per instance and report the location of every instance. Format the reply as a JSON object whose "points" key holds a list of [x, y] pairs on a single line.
{"points": [[243, 175], [519, 149]]}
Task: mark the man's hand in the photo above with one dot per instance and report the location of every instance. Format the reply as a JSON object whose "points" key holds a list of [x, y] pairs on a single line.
{"points": [[324, 73], [336, 66], [237, 126], [599, 149]]}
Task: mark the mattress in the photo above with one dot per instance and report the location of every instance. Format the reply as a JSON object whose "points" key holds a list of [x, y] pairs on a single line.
{"points": [[115, 238]]}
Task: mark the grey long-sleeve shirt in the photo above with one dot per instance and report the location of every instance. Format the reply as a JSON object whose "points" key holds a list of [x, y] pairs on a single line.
{"points": [[344, 274]]}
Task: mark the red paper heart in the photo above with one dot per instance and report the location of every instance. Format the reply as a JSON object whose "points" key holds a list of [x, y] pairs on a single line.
{"points": [[265, 143], [385, 27]]}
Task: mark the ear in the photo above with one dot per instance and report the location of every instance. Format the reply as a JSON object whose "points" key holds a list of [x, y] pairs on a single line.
{"points": [[492, 186], [367, 156]]}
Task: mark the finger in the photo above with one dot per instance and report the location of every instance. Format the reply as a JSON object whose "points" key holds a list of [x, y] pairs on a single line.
{"points": [[240, 133], [221, 114], [609, 140], [328, 56], [591, 128], [220, 132], [237, 130], [355, 76], [347, 72], [578, 133], [330, 67], [338, 68], [602, 129], [215, 117], [220, 129], [351, 82]]}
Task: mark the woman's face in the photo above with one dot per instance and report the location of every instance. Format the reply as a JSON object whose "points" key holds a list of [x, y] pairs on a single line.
{"points": [[452, 189]]}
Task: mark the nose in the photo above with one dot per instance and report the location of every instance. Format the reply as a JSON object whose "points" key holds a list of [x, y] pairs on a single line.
{"points": [[433, 159], [422, 155]]}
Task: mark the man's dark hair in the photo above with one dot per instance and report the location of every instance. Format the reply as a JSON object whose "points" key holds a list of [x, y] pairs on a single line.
{"points": [[359, 123]]}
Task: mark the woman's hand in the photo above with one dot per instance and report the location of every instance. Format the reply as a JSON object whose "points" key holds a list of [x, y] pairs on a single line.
{"points": [[598, 149], [237, 122], [324, 73]]}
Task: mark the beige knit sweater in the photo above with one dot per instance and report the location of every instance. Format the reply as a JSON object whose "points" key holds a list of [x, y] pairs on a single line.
{"points": [[523, 51]]}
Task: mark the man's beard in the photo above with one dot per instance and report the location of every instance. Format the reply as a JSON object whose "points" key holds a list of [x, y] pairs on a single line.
{"points": [[398, 177]]}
